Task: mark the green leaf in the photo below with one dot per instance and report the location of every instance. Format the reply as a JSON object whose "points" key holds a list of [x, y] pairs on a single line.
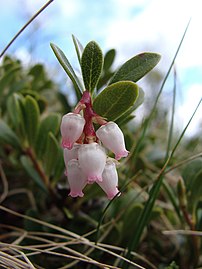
{"points": [[7, 136], [136, 67], [27, 164], [78, 47], [127, 115], [109, 59], [195, 194], [91, 65], [8, 77], [31, 114], [124, 119], [139, 100], [49, 124], [59, 167], [51, 154], [68, 69], [116, 99], [14, 108], [42, 102], [190, 171], [131, 218]]}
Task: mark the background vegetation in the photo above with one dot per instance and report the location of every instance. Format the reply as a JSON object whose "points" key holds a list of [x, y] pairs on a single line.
{"points": [[155, 223]]}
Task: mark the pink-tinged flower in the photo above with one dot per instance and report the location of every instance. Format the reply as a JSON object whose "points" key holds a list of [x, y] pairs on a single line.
{"points": [[92, 159], [77, 181], [70, 154], [71, 129], [112, 138], [109, 182]]}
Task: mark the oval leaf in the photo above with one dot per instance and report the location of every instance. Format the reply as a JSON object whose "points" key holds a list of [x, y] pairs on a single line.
{"points": [[116, 99], [15, 111], [59, 167], [109, 59], [49, 124], [91, 65], [8, 77], [127, 115], [27, 164], [51, 154], [31, 110], [7, 136], [68, 69], [135, 68]]}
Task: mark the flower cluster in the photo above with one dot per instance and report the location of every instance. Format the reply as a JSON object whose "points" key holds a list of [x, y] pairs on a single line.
{"points": [[84, 149]]}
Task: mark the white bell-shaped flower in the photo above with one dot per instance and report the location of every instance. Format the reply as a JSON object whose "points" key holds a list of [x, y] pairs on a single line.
{"points": [[71, 129], [112, 138], [109, 182], [70, 154], [77, 180], [92, 160]]}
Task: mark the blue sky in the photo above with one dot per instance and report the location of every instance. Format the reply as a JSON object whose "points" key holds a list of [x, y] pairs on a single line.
{"points": [[130, 26]]}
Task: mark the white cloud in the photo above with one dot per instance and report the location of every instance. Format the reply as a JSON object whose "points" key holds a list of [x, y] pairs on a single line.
{"points": [[159, 26], [23, 54], [69, 8]]}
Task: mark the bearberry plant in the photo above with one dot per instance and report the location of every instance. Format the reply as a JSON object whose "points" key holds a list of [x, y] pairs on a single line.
{"points": [[137, 191], [90, 130]]}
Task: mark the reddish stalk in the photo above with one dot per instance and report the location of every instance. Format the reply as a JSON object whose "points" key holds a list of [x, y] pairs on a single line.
{"points": [[38, 168], [90, 116]]}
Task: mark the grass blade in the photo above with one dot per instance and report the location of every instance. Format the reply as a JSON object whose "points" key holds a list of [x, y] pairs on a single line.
{"points": [[145, 215], [148, 120], [172, 118]]}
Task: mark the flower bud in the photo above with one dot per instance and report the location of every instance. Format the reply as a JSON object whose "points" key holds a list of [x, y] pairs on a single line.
{"points": [[92, 159], [76, 179], [71, 129], [109, 180], [112, 138], [70, 154]]}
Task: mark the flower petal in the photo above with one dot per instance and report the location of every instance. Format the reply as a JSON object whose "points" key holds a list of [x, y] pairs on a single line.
{"points": [[71, 129], [92, 159], [70, 154], [109, 182], [112, 138], [77, 180]]}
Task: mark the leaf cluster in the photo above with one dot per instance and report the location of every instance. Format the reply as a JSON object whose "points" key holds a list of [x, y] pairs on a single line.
{"points": [[115, 93], [30, 133]]}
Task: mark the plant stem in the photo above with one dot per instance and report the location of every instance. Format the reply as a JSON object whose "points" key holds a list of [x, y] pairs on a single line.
{"points": [[195, 240], [55, 197], [29, 152]]}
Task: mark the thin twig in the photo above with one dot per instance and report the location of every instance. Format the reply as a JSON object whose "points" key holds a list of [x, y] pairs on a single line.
{"points": [[183, 232], [25, 26], [183, 162], [25, 191]]}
